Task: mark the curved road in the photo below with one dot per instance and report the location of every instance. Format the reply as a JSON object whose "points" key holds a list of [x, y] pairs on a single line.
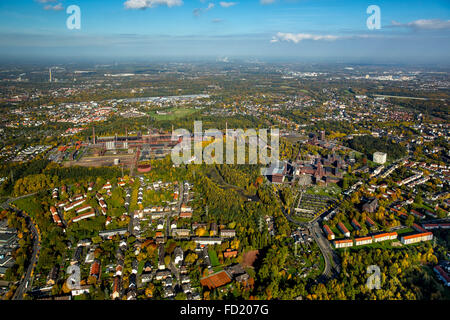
{"points": [[330, 257]]}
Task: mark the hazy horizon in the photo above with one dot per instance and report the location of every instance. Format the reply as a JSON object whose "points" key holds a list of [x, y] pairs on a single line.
{"points": [[308, 30]]}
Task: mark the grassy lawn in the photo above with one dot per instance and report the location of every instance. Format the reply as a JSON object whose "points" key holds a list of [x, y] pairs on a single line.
{"points": [[348, 226], [376, 245], [332, 190], [300, 219], [403, 231], [336, 232], [217, 269], [172, 114], [141, 266], [321, 264], [213, 258]]}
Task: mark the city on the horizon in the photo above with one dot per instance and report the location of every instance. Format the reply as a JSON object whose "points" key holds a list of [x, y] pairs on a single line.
{"points": [[317, 31]]}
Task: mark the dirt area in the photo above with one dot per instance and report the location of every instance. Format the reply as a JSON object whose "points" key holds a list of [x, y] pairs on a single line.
{"points": [[249, 258], [102, 161]]}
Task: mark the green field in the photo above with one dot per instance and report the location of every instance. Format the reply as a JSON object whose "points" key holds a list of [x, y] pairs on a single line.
{"points": [[172, 114], [213, 258], [403, 231], [141, 266], [300, 219]]}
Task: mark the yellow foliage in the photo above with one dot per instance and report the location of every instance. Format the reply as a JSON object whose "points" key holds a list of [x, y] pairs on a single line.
{"points": [[200, 232]]}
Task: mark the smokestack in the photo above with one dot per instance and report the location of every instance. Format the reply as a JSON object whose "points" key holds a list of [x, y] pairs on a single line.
{"points": [[50, 75]]}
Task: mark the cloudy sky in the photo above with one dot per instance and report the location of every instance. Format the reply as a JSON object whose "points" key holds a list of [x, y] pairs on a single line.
{"points": [[412, 31]]}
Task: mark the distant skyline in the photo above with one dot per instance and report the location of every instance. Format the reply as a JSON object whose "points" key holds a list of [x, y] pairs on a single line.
{"points": [[413, 31]]}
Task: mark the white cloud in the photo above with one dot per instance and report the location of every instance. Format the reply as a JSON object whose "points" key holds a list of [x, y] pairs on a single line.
{"points": [[264, 2], [226, 4], [46, 1], [142, 4], [425, 24], [298, 37], [56, 7], [199, 11]]}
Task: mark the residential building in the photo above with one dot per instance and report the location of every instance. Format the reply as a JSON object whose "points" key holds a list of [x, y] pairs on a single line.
{"points": [[414, 238]]}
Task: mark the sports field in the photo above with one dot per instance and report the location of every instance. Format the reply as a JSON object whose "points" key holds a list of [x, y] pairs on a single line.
{"points": [[172, 113]]}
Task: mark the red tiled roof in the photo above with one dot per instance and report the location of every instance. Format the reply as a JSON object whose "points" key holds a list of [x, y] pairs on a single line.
{"points": [[342, 227], [412, 236], [442, 273], [370, 221], [363, 238], [327, 229], [386, 234], [343, 241]]}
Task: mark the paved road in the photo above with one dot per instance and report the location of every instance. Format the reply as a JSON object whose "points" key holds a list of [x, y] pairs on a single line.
{"points": [[332, 261]]}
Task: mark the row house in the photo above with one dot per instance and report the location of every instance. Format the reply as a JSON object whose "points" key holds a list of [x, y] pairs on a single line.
{"points": [[343, 229], [73, 205], [102, 204], [84, 216], [431, 226], [343, 243], [83, 208], [185, 215], [62, 204], [202, 241], [385, 236], [356, 224], [55, 216], [363, 241], [415, 238], [328, 232], [417, 214], [77, 197], [370, 223], [431, 214], [181, 233], [442, 275], [227, 233], [418, 228]]}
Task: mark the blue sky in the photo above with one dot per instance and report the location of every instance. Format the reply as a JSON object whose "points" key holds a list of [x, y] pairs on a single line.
{"points": [[333, 30]]}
